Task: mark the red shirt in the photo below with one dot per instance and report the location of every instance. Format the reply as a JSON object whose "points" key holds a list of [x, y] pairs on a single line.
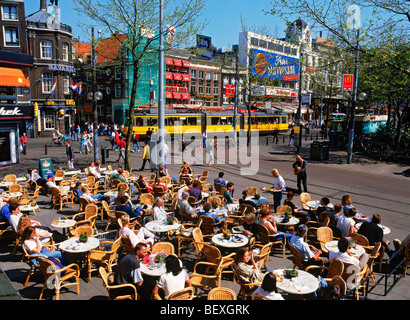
{"points": [[23, 139], [121, 144]]}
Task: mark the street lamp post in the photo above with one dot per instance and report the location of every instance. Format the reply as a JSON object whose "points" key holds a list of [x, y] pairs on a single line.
{"points": [[235, 112], [94, 96], [161, 116]]}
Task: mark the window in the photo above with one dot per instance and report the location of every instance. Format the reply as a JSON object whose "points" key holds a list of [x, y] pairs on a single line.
{"points": [[263, 43], [193, 87], [201, 90], [11, 36], [216, 91], [66, 84], [117, 73], [64, 52], [254, 42], [49, 121], [108, 91], [117, 90], [46, 48], [10, 13], [47, 80], [208, 90], [193, 74], [216, 76], [201, 74], [208, 76], [73, 53]]}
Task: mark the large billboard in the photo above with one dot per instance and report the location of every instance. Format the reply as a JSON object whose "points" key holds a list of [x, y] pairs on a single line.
{"points": [[275, 66]]}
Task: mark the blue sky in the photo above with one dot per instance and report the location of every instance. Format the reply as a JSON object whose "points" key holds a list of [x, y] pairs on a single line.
{"points": [[223, 16]]}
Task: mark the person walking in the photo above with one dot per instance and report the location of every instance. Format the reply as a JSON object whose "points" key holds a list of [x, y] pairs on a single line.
{"points": [[23, 142], [299, 169], [84, 143], [278, 188], [70, 155], [291, 136], [78, 132], [210, 151], [135, 139], [145, 155], [121, 146], [276, 134]]}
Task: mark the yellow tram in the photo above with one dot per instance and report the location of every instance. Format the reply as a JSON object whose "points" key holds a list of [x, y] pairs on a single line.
{"points": [[210, 121]]}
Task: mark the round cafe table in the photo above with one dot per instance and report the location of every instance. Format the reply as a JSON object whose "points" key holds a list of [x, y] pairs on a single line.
{"points": [[158, 226], [356, 250], [236, 240], [5, 184], [154, 271], [63, 224], [292, 221], [260, 201], [313, 204], [303, 283]]}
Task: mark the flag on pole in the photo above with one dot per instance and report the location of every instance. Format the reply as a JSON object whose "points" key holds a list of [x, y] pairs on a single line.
{"points": [[80, 89], [73, 87], [53, 89]]}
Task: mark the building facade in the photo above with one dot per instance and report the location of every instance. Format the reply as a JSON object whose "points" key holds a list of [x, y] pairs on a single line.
{"points": [[16, 110], [50, 43]]}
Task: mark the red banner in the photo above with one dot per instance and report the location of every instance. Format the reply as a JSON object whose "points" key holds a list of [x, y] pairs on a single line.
{"points": [[291, 77], [230, 90], [347, 82]]}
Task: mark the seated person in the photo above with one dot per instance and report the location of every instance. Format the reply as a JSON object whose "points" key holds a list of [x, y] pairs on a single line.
{"points": [[95, 171], [335, 215], [158, 211], [245, 199], [246, 269], [185, 176], [119, 175], [346, 256], [268, 288], [186, 209], [18, 221], [220, 180], [33, 245], [159, 184], [143, 185], [297, 211], [372, 231], [346, 223], [186, 168], [268, 221], [123, 206], [51, 182], [250, 226], [143, 235], [32, 175], [232, 203], [96, 199], [174, 279], [309, 253], [206, 208], [348, 204], [5, 211], [185, 188], [195, 191]]}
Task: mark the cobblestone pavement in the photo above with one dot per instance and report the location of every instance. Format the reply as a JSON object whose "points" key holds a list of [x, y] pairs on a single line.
{"points": [[375, 187]]}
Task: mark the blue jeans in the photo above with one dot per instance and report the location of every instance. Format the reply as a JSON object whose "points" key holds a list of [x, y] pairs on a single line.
{"points": [[82, 147], [55, 254], [136, 144], [280, 236], [277, 199]]}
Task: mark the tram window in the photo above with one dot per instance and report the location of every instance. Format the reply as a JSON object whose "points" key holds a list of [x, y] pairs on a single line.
{"points": [[192, 121], [284, 120], [215, 121], [152, 122], [139, 122]]}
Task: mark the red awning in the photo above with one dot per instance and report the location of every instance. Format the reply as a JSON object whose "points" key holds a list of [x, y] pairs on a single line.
{"points": [[177, 76], [13, 78], [168, 76], [186, 63], [185, 96], [186, 77], [168, 95], [177, 63], [170, 61], [176, 95]]}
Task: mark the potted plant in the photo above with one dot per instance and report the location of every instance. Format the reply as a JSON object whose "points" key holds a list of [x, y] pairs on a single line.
{"points": [[83, 237], [214, 204], [170, 220], [257, 196], [226, 235], [160, 257]]}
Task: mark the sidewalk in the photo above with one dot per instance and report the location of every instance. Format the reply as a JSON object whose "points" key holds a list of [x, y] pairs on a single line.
{"points": [[271, 155]]}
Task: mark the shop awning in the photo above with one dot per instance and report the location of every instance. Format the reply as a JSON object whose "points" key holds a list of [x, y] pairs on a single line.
{"points": [[13, 78], [168, 95], [176, 95], [168, 76], [177, 63], [177, 76], [186, 77], [169, 61], [185, 96], [186, 63]]}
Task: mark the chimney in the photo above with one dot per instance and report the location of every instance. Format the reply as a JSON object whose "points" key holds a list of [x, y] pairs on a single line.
{"points": [[43, 5]]}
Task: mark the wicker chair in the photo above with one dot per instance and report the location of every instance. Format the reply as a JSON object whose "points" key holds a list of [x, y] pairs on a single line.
{"points": [[298, 261], [29, 199], [262, 256], [338, 280], [89, 216], [335, 268], [305, 197], [208, 226], [372, 257], [221, 294], [110, 213], [128, 290], [214, 199], [251, 191], [324, 235], [352, 271], [61, 199], [266, 238], [59, 276], [15, 188], [11, 178], [205, 276], [406, 258], [33, 267], [185, 235], [87, 229], [184, 294], [163, 246], [106, 258]]}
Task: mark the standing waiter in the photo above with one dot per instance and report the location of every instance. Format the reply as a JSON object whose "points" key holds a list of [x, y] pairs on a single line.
{"points": [[299, 169]]}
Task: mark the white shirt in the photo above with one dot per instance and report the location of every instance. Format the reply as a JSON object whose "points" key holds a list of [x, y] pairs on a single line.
{"points": [[51, 184], [267, 295], [94, 171], [343, 256], [279, 184], [14, 220], [159, 213], [343, 224], [170, 283], [30, 245]]}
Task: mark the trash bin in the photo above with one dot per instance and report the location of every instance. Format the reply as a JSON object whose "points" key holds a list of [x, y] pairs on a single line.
{"points": [[105, 153], [319, 151]]}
